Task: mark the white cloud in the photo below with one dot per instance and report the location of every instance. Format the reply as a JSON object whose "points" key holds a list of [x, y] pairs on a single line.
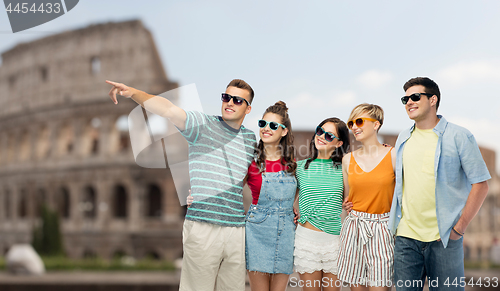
{"points": [[374, 79], [477, 71], [338, 99], [302, 100], [346, 98]]}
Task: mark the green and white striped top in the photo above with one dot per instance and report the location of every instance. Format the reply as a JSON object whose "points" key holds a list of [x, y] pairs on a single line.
{"points": [[320, 194], [219, 157]]}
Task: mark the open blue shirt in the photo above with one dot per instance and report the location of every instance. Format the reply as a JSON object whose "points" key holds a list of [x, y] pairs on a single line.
{"points": [[457, 165]]}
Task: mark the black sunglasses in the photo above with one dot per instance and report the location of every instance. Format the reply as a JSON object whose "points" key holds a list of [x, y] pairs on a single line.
{"points": [[236, 100], [414, 97], [329, 137], [272, 125]]}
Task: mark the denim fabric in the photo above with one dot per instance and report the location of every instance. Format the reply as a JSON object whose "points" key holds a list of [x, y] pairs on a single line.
{"points": [[458, 164], [415, 260], [270, 230]]}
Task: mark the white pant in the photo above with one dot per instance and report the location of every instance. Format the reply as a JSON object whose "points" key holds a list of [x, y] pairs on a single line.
{"points": [[214, 257]]}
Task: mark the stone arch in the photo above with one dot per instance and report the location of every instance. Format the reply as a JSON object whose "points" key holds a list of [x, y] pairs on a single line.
{"points": [[119, 134], [43, 143], [40, 200], [63, 203], [24, 146], [11, 147], [95, 65], [6, 204], [89, 203], [22, 204], [44, 74], [91, 138], [154, 201], [65, 139], [120, 202]]}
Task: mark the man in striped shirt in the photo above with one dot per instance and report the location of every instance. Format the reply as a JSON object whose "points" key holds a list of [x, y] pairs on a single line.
{"points": [[220, 152]]}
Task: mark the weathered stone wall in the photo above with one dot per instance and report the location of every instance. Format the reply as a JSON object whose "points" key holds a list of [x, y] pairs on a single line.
{"points": [[61, 144]]}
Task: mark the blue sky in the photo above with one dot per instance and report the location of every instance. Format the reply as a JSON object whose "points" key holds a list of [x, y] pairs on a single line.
{"points": [[322, 58]]}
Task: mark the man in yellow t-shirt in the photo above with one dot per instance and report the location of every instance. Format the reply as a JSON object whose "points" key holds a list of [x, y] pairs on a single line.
{"points": [[441, 183]]}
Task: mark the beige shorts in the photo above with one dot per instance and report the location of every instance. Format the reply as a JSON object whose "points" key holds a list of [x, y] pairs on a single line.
{"points": [[214, 257]]}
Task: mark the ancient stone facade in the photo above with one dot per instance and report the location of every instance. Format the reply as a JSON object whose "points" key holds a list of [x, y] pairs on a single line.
{"points": [[63, 143]]}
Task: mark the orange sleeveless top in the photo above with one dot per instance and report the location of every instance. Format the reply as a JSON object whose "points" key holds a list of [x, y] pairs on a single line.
{"points": [[371, 192]]}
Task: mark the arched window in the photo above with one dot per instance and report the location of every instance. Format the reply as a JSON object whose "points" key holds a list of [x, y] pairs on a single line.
{"points": [[95, 65], [88, 204], [154, 201], [122, 132], [120, 202], [24, 150], [63, 203], [65, 140], [6, 205], [43, 143], [39, 202], [23, 209], [44, 74]]}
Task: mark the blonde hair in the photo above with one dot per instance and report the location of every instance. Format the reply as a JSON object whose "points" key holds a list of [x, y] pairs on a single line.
{"points": [[374, 111]]}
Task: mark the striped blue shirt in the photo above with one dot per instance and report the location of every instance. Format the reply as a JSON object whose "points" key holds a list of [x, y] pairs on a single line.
{"points": [[219, 157]]}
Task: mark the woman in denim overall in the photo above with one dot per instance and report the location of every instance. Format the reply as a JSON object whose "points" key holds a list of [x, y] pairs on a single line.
{"points": [[269, 228]]}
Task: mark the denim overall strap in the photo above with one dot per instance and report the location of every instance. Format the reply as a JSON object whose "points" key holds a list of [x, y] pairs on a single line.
{"points": [[275, 191]]}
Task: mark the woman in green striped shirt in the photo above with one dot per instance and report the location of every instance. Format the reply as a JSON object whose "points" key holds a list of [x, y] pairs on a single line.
{"points": [[321, 188]]}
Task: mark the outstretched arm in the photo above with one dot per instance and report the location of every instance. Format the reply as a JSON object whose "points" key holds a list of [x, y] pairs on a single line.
{"points": [[155, 104]]}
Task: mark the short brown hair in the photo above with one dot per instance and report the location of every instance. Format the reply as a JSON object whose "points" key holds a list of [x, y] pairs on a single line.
{"points": [[374, 111], [430, 87], [238, 83]]}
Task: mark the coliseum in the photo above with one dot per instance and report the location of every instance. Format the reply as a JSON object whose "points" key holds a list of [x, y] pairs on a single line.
{"points": [[63, 143]]}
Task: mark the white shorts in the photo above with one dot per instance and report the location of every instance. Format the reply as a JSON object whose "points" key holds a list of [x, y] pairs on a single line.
{"points": [[367, 250], [214, 257], [315, 251]]}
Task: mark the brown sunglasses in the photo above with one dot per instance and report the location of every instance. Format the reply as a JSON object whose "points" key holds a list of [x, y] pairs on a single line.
{"points": [[359, 121]]}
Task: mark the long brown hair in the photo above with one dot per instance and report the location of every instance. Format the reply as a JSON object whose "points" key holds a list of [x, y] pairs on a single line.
{"points": [[286, 142]]}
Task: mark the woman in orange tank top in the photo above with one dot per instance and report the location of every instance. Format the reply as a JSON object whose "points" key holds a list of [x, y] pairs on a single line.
{"points": [[367, 245]]}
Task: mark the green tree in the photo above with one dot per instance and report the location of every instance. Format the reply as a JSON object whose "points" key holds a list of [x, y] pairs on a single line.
{"points": [[47, 238]]}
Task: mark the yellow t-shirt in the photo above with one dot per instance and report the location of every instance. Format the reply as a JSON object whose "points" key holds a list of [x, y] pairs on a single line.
{"points": [[419, 219]]}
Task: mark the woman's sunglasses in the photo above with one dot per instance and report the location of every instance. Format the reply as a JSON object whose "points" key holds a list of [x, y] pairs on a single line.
{"points": [[272, 125], [329, 137], [359, 122], [236, 100], [414, 97]]}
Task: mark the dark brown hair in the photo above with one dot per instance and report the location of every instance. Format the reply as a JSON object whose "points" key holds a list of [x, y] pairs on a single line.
{"points": [[339, 152], [238, 83], [430, 87], [286, 142]]}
